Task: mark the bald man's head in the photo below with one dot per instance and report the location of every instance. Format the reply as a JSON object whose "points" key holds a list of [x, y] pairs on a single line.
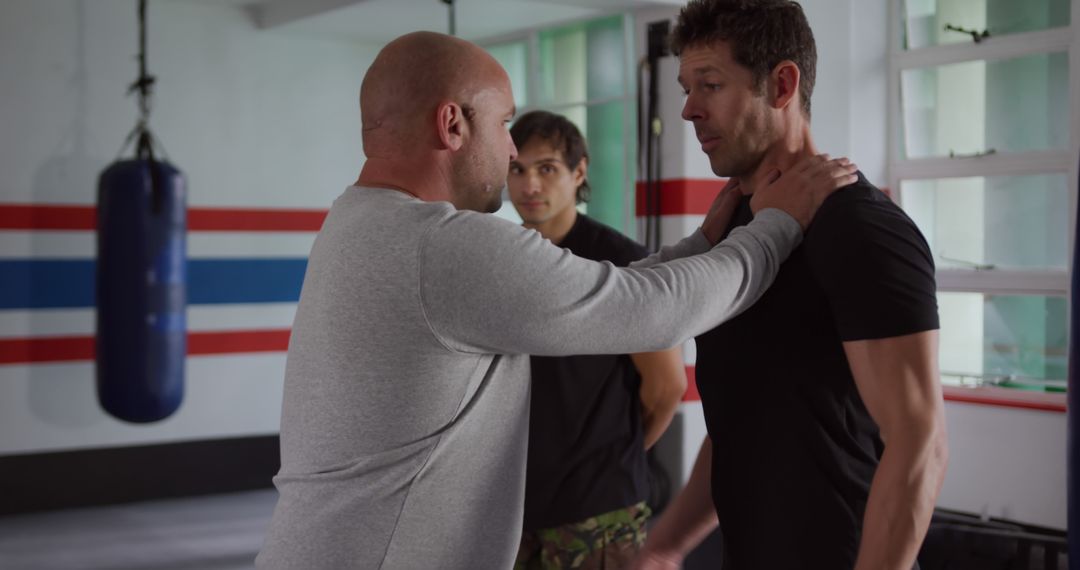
{"points": [[410, 77]]}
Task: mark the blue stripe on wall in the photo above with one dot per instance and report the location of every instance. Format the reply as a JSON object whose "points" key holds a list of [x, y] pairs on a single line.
{"points": [[55, 284]]}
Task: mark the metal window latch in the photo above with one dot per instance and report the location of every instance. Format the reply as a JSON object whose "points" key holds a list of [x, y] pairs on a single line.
{"points": [[976, 36], [970, 264], [987, 152]]}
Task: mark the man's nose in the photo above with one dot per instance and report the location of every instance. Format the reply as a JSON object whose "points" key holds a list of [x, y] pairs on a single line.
{"points": [[532, 182], [513, 147], [690, 109]]}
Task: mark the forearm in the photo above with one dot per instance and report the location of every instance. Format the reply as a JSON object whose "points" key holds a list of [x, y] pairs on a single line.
{"points": [[656, 420], [690, 517], [693, 244], [663, 383], [901, 503]]}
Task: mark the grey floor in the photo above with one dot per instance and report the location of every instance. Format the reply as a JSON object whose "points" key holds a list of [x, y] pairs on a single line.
{"points": [[220, 532]]}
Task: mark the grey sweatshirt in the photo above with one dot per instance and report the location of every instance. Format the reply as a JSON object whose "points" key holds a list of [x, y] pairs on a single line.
{"points": [[406, 408]]}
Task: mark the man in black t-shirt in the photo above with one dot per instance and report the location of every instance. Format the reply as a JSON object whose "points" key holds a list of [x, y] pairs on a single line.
{"points": [[591, 417], [826, 445]]}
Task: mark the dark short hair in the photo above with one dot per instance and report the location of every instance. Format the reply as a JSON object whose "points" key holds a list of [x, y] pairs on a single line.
{"points": [[761, 34], [561, 134]]}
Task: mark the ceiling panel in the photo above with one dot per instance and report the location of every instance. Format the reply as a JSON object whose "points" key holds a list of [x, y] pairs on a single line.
{"points": [[379, 21]]}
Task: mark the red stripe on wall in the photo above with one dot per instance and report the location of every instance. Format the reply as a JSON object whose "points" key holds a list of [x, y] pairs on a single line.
{"points": [[683, 196], [46, 349], [233, 342], [691, 394], [1002, 397], [83, 218], [233, 220], [36, 217], [79, 348]]}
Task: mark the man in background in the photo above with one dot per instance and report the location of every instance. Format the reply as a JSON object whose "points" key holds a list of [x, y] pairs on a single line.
{"points": [[591, 417]]}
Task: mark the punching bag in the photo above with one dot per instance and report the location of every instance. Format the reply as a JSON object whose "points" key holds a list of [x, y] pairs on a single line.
{"points": [[141, 280], [141, 288]]}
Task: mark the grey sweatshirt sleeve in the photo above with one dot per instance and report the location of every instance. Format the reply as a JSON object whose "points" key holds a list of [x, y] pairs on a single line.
{"points": [[693, 244], [489, 286]]}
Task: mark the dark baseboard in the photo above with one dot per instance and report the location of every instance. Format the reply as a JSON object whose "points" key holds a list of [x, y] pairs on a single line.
{"points": [[94, 477]]}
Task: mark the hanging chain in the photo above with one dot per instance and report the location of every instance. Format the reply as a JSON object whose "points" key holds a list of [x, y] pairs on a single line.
{"points": [[453, 16], [145, 83]]}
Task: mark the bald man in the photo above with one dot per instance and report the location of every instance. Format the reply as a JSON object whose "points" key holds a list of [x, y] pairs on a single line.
{"points": [[406, 406]]}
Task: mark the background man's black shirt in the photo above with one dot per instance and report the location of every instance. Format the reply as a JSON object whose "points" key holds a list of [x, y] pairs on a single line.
{"points": [[586, 453]]}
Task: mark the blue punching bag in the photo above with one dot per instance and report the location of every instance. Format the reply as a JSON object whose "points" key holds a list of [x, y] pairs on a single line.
{"points": [[141, 274], [141, 287]]}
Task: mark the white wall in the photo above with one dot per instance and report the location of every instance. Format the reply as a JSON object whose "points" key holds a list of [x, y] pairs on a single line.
{"points": [[256, 119], [1006, 462]]}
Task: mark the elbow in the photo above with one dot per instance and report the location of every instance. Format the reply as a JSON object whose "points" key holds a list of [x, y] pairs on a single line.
{"points": [[677, 387]]}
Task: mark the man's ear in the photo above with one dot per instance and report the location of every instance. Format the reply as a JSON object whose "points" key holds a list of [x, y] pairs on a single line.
{"points": [[451, 125], [578, 175], [784, 83]]}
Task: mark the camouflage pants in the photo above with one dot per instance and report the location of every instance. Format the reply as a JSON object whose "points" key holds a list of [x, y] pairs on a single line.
{"points": [[604, 542]]}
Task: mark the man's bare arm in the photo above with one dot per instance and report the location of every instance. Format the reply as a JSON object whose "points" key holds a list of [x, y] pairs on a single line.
{"points": [[663, 383], [898, 380]]}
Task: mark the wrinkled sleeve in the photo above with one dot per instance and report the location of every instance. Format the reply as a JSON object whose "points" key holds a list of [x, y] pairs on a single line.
{"points": [[493, 287]]}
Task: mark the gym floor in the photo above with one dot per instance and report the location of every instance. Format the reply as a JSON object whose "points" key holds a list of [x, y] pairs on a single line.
{"points": [[218, 532]]}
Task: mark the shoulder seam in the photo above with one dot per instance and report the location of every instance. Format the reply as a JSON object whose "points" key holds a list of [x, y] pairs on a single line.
{"points": [[420, 266]]}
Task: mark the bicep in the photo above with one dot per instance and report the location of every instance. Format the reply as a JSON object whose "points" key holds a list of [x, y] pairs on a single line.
{"points": [[897, 379]]}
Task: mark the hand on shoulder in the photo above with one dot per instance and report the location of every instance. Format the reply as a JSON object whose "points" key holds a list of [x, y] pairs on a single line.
{"points": [[721, 211], [800, 190]]}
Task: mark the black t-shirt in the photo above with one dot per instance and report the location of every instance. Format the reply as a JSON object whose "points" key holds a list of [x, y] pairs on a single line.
{"points": [[586, 453], [794, 448]]}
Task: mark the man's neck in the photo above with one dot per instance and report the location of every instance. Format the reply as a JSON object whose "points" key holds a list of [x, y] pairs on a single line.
{"points": [[556, 228], [782, 155], [428, 184]]}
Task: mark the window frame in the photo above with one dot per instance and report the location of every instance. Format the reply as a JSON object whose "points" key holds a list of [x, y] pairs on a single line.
{"points": [[1066, 40], [531, 37]]}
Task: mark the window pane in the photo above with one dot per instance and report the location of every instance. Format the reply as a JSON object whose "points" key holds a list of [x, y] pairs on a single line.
{"points": [[514, 57], [926, 19], [1015, 341], [583, 62], [608, 140], [563, 65], [606, 58], [1008, 222], [1007, 106]]}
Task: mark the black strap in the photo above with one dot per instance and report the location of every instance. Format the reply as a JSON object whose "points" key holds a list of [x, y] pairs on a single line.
{"points": [[144, 139]]}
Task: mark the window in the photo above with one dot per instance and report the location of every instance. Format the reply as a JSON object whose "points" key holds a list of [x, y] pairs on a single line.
{"points": [[983, 157], [583, 71]]}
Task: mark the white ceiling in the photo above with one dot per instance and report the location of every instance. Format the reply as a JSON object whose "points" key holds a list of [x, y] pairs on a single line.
{"points": [[379, 21]]}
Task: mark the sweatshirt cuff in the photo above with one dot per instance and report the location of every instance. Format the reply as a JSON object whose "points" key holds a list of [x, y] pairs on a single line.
{"points": [[787, 230]]}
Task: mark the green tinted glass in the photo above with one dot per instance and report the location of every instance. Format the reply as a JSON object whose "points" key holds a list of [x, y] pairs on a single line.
{"points": [[976, 107], [1016, 341], [939, 22], [999, 222]]}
